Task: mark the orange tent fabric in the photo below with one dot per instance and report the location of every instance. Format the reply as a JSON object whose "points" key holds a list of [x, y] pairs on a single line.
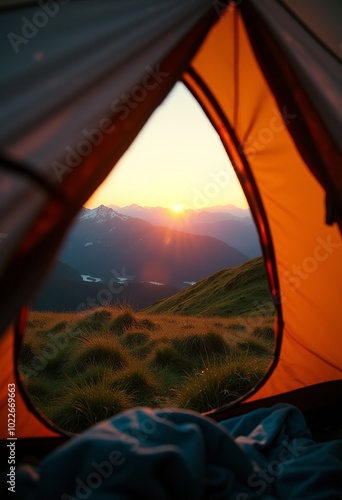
{"points": [[268, 110], [308, 253]]}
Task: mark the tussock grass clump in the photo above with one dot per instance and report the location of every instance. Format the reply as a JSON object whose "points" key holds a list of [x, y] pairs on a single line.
{"points": [[166, 356], [210, 343], [133, 339], [123, 322], [265, 332], [136, 380], [59, 327], [54, 358], [140, 352], [253, 347], [43, 356], [99, 350], [83, 406], [139, 383], [148, 324], [93, 374], [97, 321], [41, 334], [127, 320], [216, 385], [40, 388], [35, 323], [28, 351]]}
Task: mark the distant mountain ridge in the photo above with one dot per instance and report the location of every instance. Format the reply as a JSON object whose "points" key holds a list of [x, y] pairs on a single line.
{"points": [[107, 246], [232, 225], [102, 242], [156, 214]]}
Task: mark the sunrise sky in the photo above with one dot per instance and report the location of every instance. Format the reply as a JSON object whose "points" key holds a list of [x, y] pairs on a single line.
{"points": [[177, 161]]}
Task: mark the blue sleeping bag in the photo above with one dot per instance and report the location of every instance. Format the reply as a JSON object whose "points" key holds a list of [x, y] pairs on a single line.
{"points": [[177, 454]]}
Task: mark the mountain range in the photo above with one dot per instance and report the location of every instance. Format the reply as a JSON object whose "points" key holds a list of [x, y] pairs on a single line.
{"points": [[148, 261], [232, 225], [102, 243]]}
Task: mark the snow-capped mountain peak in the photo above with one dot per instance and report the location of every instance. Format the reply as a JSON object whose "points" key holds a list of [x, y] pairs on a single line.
{"points": [[101, 214]]}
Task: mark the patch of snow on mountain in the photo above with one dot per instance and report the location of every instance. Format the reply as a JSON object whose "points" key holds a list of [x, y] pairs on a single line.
{"points": [[153, 283], [90, 279]]}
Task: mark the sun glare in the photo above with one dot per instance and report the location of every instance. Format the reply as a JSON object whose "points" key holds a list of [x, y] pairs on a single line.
{"points": [[177, 209]]}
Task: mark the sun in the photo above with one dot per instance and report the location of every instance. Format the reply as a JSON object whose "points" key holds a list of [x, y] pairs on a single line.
{"points": [[177, 209]]}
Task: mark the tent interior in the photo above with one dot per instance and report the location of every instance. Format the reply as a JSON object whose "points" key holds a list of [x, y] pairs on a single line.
{"points": [[268, 76]]}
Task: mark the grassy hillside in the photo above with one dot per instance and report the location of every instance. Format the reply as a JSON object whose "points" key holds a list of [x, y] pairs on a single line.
{"points": [[230, 292], [80, 368]]}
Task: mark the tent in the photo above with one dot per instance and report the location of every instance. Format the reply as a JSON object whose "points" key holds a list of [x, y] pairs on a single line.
{"points": [[81, 78]]}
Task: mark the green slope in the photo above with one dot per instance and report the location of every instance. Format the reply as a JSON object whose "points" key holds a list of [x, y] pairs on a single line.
{"points": [[230, 292]]}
